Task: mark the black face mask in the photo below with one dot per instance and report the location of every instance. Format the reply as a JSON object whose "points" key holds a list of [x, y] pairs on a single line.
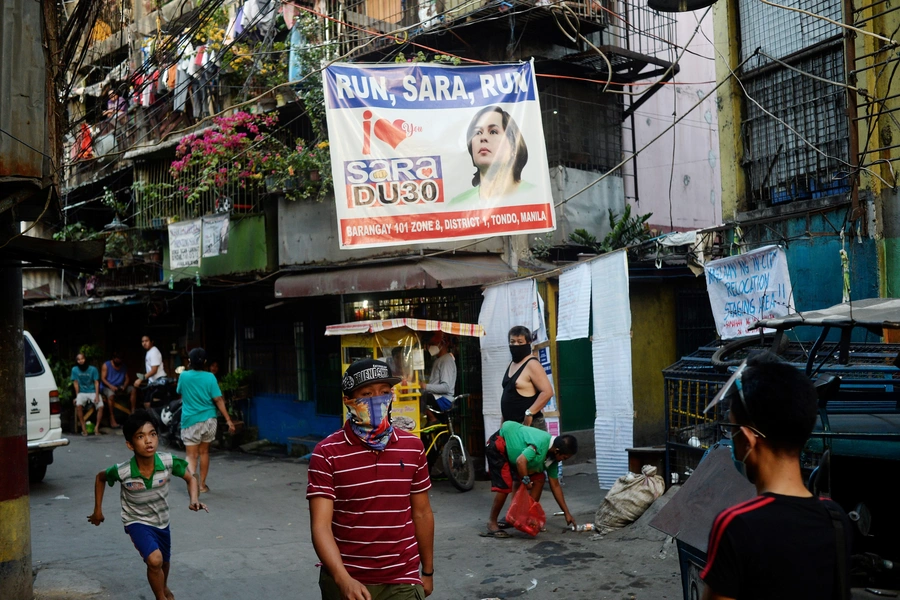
{"points": [[519, 353]]}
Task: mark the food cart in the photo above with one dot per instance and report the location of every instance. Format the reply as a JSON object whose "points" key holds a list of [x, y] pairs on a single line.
{"points": [[397, 342]]}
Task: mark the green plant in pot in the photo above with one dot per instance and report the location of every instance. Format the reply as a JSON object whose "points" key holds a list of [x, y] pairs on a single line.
{"points": [[118, 247], [237, 383], [62, 373]]}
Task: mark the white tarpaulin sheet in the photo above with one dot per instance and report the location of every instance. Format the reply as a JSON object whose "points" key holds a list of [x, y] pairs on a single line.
{"points": [[423, 153], [215, 235], [184, 244], [744, 289], [505, 305], [574, 303], [611, 348]]}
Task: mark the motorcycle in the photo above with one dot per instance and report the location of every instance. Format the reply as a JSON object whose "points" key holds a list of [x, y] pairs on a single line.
{"points": [[165, 403]]}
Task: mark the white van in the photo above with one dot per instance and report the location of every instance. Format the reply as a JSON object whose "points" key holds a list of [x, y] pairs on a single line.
{"points": [[42, 406]]}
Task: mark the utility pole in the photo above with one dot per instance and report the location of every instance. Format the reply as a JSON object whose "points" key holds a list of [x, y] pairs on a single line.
{"points": [[15, 512]]}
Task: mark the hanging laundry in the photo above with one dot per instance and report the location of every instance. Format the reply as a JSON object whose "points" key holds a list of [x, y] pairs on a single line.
{"points": [[138, 90], [298, 46], [289, 11], [182, 80], [170, 77], [260, 13], [83, 148], [147, 90], [239, 22]]}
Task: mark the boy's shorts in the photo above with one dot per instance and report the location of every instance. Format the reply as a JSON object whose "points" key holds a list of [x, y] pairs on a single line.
{"points": [[85, 398], [498, 464], [503, 471], [148, 539], [203, 432]]}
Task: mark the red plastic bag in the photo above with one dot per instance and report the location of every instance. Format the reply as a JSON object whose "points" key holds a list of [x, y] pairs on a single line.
{"points": [[525, 514]]}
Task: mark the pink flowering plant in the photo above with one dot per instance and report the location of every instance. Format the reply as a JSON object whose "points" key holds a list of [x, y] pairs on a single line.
{"points": [[242, 150], [236, 151]]}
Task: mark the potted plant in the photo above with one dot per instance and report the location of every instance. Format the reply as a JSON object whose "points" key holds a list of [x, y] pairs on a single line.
{"points": [[237, 383], [62, 374], [305, 171], [118, 248], [76, 232]]}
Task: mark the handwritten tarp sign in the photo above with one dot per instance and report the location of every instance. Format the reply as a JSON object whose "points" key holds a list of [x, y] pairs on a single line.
{"points": [[744, 289], [215, 235], [426, 153], [184, 244]]}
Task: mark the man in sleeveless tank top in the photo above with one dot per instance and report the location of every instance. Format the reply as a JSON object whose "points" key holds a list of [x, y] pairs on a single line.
{"points": [[526, 387], [115, 380]]}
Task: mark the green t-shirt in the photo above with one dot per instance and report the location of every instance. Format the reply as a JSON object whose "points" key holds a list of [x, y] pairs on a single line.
{"points": [[145, 500], [197, 389], [533, 443], [85, 379]]}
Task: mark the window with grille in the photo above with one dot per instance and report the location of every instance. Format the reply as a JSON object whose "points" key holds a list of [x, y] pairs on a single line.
{"points": [[271, 351], [795, 128], [582, 128]]}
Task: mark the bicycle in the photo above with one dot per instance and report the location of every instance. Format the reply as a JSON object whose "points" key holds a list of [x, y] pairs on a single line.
{"points": [[445, 442]]}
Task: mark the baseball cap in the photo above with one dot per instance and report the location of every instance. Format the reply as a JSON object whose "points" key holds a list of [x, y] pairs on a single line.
{"points": [[366, 371], [197, 356]]}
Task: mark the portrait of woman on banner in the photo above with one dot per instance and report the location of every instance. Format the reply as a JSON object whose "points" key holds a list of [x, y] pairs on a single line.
{"points": [[499, 155]]}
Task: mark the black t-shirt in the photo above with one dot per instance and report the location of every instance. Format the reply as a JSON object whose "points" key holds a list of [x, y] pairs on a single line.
{"points": [[774, 547]]}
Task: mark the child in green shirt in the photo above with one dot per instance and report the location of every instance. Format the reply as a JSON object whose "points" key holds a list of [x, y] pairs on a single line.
{"points": [[144, 494]]}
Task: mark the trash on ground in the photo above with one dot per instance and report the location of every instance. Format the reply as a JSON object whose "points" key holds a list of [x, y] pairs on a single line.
{"points": [[629, 497]]}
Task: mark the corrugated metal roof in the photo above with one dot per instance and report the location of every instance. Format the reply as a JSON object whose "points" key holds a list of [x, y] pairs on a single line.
{"points": [[427, 273], [25, 135], [89, 302]]}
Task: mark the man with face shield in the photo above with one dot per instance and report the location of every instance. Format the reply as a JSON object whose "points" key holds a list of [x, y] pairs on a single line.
{"points": [[371, 520], [526, 387], [785, 542]]}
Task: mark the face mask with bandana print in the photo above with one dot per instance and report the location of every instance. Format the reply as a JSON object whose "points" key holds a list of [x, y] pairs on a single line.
{"points": [[370, 419]]}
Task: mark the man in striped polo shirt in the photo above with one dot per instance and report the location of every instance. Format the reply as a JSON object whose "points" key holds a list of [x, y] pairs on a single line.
{"points": [[785, 543], [371, 520]]}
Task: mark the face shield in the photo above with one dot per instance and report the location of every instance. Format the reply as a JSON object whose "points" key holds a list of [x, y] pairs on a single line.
{"points": [[733, 382]]}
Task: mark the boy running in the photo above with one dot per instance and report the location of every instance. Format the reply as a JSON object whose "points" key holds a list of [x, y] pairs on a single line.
{"points": [[144, 494]]}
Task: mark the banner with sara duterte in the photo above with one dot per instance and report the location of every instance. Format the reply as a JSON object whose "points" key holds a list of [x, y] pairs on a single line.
{"points": [[429, 153]]}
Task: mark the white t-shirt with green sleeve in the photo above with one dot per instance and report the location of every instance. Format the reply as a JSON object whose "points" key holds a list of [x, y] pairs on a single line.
{"points": [[146, 500]]}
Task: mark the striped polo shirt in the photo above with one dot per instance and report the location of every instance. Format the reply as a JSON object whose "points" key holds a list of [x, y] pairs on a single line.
{"points": [[146, 500], [372, 522]]}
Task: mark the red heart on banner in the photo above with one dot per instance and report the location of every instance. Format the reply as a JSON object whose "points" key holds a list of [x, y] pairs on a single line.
{"points": [[391, 133], [427, 171]]}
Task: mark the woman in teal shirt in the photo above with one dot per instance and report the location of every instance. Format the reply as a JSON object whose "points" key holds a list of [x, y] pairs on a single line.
{"points": [[200, 395]]}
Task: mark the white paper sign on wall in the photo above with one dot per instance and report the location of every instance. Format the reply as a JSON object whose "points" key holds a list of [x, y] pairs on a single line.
{"points": [[744, 289]]}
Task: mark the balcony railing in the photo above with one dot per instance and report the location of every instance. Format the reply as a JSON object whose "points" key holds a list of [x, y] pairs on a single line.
{"points": [[142, 272], [364, 26], [159, 200]]}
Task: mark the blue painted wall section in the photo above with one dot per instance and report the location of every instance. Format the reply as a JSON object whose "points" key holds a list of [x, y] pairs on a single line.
{"points": [[280, 416], [812, 248], [815, 264]]}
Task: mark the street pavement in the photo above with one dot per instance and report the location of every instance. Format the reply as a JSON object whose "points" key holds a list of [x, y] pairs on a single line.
{"points": [[255, 543]]}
